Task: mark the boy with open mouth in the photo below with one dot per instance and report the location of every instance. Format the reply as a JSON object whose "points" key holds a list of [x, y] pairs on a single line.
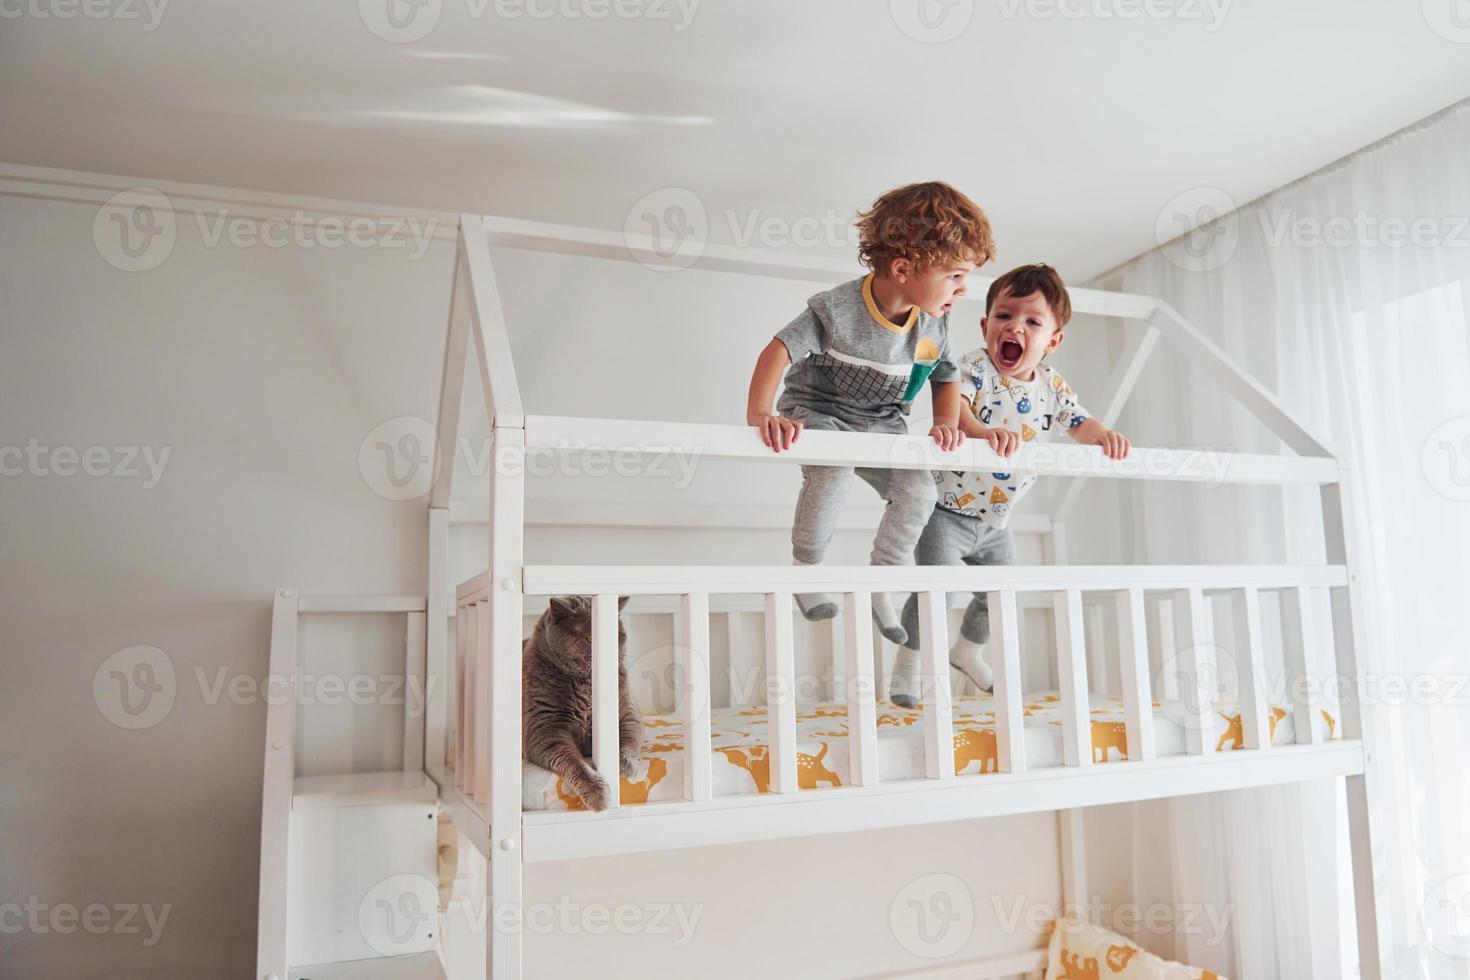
{"points": [[1011, 397]]}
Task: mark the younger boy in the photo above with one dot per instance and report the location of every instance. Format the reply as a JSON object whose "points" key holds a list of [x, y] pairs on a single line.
{"points": [[1011, 397], [857, 357]]}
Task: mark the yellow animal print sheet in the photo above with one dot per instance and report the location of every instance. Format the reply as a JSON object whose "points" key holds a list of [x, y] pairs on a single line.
{"points": [[740, 745]]}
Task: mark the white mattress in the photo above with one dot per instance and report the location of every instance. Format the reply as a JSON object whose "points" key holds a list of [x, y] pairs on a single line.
{"points": [[739, 745]]}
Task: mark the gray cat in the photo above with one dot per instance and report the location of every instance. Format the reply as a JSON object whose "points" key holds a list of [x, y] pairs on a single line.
{"points": [[556, 699]]}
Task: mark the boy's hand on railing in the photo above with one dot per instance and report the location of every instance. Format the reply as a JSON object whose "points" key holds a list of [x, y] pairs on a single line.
{"points": [[1114, 444], [1003, 441], [948, 436], [777, 432]]}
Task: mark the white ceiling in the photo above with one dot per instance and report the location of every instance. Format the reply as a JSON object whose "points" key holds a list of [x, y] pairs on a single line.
{"points": [[1072, 132]]}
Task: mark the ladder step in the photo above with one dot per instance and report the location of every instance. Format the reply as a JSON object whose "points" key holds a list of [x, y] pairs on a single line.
{"points": [[362, 789], [419, 966]]}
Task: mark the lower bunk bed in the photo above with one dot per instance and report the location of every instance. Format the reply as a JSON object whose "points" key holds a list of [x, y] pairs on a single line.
{"points": [[740, 745]]}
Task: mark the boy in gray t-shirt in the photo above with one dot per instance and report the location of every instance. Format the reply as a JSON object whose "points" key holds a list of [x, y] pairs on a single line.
{"points": [[855, 359]]}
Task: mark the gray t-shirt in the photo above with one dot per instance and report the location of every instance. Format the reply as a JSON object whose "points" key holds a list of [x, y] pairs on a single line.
{"points": [[848, 361]]}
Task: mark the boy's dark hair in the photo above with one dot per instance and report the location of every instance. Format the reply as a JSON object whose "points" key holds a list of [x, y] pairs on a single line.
{"points": [[928, 224], [1024, 280]]}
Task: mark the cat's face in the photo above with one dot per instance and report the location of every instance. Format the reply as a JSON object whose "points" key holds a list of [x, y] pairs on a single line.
{"points": [[568, 633]]}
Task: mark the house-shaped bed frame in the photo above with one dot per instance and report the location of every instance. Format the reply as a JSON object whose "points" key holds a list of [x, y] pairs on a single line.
{"points": [[467, 750]]}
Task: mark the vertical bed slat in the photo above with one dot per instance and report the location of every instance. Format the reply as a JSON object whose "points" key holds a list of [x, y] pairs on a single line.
{"points": [[484, 673], [938, 706], [697, 776], [461, 633], [1302, 641], [1138, 707], [862, 718], [605, 694], [1010, 733], [1197, 676], [742, 664], [415, 691], [837, 677], [1255, 727], [781, 693], [465, 774], [1072, 678]]}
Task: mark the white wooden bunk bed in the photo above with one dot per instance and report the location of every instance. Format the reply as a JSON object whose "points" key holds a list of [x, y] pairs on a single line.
{"points": [[462, 758]]}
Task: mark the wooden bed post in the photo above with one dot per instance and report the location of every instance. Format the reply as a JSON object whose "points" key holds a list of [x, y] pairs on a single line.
{"points": [[1350, 641], [280, 774], [477, 295]]}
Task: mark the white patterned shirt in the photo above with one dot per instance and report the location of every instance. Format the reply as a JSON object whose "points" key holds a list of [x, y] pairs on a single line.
{"points": [[1037, 409]]}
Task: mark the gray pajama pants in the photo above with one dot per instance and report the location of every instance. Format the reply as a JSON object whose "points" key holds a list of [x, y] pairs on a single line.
{"points": [[950, 539], [910, 495]]}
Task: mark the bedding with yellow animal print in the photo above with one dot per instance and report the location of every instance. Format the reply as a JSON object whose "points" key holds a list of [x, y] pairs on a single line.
{"points": [[740, 745], [1082, 951]]}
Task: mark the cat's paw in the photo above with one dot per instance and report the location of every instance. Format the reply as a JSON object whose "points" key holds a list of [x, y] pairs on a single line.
{"points": [[594, 794], [628, 763]]}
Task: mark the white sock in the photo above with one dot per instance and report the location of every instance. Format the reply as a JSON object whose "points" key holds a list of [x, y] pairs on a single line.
{"points": [[815, 605], [887, 618], [968, 658], [903, 683]]}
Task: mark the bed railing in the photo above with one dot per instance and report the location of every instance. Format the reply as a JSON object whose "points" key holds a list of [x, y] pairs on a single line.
{"points": [[486, 747], [1304, 590]]}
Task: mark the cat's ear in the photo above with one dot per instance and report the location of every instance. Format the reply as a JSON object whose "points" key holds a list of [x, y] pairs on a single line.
{"points": [[563, 607], [622, 601]]}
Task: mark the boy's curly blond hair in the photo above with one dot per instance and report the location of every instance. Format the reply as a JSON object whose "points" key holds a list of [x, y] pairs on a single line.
{"points": [[928, 224]]}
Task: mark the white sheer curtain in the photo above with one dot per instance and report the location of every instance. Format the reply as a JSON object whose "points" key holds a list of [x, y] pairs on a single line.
{"points": [[1348, 294]]}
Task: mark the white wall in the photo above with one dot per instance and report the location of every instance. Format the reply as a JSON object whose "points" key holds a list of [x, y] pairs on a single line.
{"points": [[261, 371]]}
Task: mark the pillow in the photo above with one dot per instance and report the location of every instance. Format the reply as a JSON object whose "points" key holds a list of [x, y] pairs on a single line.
{"points": [[1082, 951]]}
